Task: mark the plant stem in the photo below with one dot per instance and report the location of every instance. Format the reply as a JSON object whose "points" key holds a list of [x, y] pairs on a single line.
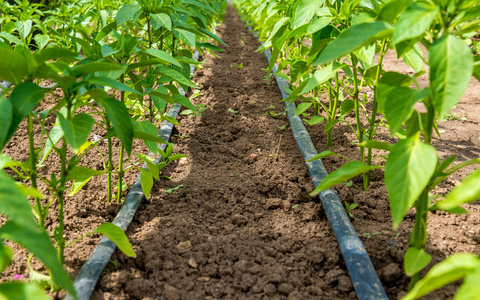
{"points": [[120, 176], [372, 127], [33, 171], [110, 169], [419, 233], [357, 112], [61, 199]]}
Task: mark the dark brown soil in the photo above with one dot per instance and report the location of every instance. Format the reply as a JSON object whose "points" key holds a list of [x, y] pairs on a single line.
{"points": [[241, 224]]}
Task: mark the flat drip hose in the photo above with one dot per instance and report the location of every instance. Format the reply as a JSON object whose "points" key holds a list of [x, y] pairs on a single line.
{"points": [[364, 277], [87, 278]]}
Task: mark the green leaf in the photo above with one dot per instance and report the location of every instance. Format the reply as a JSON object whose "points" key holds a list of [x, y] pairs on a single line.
{"points": [[148, 127], [152, 167], [302, 107], [347, 106], [146, 180], [43, 281], [55, 135], [76, 130], [41, 40], [105, 81], [53, 53], [21, 228], [468, 191], [14, 68], [213, 36], [304, 12], [118, 114], [24, 98], [470, 287], [373, 144], [415, 260], [210, 47], [11, 38], [389, 82], [318, 78], [177, 76], [184, 101], [6, 255], [186, 36], [81, 176], [414, 21], [175, 157], [21, 290], [316, 120], [163, 56], [450, 270], [414, 58], [451, 66], [96, 66], [5, 120], [392, 9], [408, 170], [399, 105], [105, 31], [126, 13], [145, 136], [161, 20], [7, 162], [116, 235], [24, 28], [366, 54], [318, 24], [353, 38], [344, 173], [324, 154]]}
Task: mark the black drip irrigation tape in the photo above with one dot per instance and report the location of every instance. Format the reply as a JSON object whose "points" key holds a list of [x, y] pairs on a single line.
{"points": [[364, 277], [87, 278], [4, 85]]}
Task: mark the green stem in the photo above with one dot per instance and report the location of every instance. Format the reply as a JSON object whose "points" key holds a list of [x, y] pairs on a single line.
{"points": [[356, 99], [120, 176], [329, 113], [372, 127], [33, 171], [110, 169], [149, 30], [419, 233], [61, 199], [120, 163]]}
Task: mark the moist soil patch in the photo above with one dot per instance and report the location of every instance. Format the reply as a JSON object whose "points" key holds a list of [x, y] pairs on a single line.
{"points": [[234, 220]]}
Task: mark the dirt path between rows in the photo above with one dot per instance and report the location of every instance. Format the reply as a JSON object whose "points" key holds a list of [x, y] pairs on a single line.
{"points": [[242, 225]]}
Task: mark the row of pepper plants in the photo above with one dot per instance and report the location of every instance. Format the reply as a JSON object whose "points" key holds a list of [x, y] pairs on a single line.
{"points": [[81, 52], [334, 50]]}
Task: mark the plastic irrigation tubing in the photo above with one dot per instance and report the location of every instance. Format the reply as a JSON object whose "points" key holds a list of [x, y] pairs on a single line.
{"points": [[87, 278], [4, 85], [364, 277]]}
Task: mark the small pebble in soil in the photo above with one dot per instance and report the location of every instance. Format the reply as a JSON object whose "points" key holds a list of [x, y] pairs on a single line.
{"points": [[239, 220], [273, 203], [203, 279], [252, 158], [345, 284], [192, 263], [285, 288], [270, 289], [184, 245], [286, 205], [171, 293], [391, 272]]}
